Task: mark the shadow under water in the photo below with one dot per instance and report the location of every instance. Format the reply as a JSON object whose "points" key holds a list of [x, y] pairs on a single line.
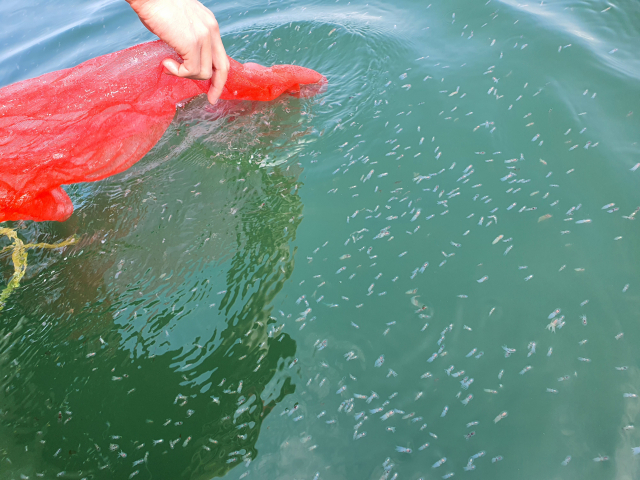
{"points": [[149, 348]]}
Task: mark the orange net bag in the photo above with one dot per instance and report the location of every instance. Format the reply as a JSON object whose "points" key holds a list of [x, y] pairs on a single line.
{"points": [[97, 119]]}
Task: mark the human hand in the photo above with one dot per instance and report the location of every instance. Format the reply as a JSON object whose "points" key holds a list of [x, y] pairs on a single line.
{"points": [[192, 30]]}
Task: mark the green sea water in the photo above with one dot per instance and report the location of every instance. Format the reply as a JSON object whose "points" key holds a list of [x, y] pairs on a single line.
{"points": [[291, 290]]}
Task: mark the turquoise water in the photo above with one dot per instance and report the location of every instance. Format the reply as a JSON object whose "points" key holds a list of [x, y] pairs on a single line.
{"points": [[469, 177]]}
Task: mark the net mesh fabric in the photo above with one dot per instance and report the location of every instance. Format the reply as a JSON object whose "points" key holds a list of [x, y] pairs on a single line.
{"points": [[97, 119]]}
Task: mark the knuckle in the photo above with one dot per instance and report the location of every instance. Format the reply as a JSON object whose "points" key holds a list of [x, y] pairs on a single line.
{"points": [[202, 35]]}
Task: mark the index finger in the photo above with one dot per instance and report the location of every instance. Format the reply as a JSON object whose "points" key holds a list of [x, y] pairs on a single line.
{"points": [[221, 70]]}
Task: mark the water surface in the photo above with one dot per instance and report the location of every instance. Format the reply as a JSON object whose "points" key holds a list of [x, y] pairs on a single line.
{"points": [[293, 289]]}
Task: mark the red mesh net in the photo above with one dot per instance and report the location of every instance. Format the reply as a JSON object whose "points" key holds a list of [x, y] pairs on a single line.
{"points": [[97, 119]]}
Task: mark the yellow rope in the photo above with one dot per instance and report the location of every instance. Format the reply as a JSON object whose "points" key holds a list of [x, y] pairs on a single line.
{"points": [[19, 258]]}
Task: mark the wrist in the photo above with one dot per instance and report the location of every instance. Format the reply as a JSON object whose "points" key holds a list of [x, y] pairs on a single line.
{"points": [[135, 4]]}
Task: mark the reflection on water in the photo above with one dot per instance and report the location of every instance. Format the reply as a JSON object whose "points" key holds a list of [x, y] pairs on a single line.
{"points": [[468, 180], [161, 346]]}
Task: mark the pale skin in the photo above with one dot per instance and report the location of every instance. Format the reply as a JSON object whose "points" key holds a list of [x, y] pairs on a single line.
{"points": [[193, 32]]}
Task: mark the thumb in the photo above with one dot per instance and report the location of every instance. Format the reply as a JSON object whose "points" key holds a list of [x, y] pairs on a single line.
{"points": [[171, 67]]}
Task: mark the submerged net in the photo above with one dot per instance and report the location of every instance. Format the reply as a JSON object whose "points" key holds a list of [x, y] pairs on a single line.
{"points": [[97, 119]]}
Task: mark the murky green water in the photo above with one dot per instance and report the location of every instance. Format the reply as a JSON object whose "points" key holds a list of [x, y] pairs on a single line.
{"points": [[470, 170]]}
